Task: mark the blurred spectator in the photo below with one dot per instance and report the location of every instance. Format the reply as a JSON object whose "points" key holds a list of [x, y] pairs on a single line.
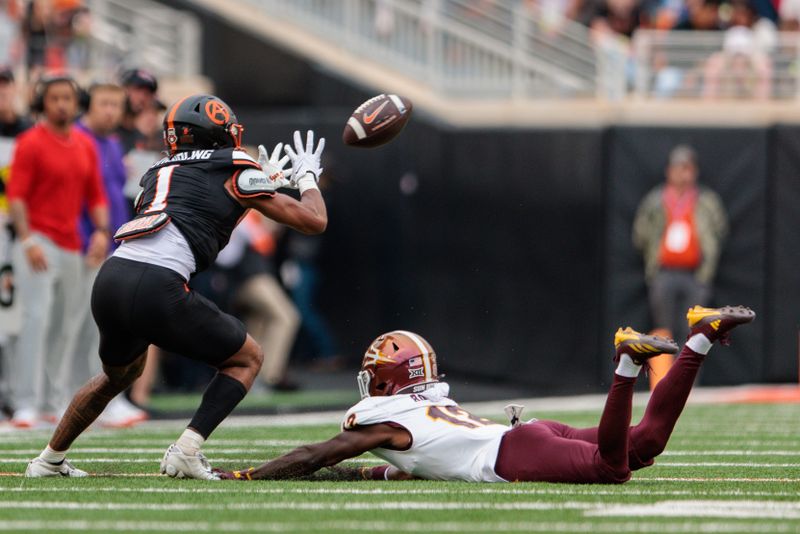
{"points": [[105, 107], [740, 70], [701, 15], [71, 23], [790, 15], [617, 16], [36, 24], [256, 295], [679, 228], [11, 122], [301, 275], [242, 280], [54, 174], [10, 12], [141, 88]]}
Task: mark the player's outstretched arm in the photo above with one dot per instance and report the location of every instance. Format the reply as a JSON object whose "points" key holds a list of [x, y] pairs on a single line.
{"points": [[308, 215], [308, 459], [257, 189]]}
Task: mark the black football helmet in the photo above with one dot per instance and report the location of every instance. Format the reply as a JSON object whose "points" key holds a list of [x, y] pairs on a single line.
{"points": [[201, 122]]}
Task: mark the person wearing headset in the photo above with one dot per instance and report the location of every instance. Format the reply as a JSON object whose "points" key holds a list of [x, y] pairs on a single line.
{"points": [[54, 174]]}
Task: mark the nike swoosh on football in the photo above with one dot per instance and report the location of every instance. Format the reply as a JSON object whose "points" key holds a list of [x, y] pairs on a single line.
{"points": [[371, 117]]}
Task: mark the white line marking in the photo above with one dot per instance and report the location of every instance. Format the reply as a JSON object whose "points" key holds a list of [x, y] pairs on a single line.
{"points": [[332, 506], [718, 479], [726, 452], [222, 458], [213, 449], [724, 464], [254, 488], [388, 526], [158, 459], [704, 508], [395, 526], [208, 451]]}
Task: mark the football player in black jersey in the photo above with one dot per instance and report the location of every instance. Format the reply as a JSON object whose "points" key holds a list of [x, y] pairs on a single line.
{"points": [[190, 203]]}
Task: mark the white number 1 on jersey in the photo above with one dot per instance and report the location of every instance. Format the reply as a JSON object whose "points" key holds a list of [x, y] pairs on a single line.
{"points": [[162, 189]]}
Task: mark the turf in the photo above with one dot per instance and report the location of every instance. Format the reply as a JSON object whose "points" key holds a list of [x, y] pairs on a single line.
{"points": [[728, 468]]}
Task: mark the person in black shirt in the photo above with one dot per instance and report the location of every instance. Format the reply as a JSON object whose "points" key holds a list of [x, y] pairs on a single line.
{"points": [[141, 88], [190, 203], [11, 123]]}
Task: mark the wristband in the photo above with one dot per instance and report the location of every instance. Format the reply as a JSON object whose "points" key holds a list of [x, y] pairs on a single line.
{"points": [[308, 181]]}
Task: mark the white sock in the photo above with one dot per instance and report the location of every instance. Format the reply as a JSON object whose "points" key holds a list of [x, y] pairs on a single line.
{"points": [[627, 368], [52, 457], [699, 343], [190, 442]]}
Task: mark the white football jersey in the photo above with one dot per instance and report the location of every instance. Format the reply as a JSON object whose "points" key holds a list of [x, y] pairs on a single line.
{"points": [[447, 442]]}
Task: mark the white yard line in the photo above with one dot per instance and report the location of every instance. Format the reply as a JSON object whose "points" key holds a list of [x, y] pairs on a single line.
{"points": [[222, 458], [704, 508], [725, 464], [307, 506], [494, 489], [156, 459], [708, 527], [211, 449]]}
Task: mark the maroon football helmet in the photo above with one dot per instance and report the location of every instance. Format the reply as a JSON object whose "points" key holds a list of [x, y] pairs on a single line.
{"points": [[397, 362]]}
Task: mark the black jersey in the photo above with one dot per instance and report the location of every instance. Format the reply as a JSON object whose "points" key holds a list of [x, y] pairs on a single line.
{"points": [[189, 187]]}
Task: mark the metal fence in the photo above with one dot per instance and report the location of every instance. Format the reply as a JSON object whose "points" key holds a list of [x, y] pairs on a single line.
{"points": [[145, 34], [739, 63], [497, 49]]}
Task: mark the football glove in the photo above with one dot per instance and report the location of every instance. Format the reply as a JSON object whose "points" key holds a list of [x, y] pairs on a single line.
{"points": [[273, 167], [305, 160]]}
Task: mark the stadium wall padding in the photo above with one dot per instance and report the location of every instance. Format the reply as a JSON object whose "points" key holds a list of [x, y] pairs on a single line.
{"points": [[510, 249]]}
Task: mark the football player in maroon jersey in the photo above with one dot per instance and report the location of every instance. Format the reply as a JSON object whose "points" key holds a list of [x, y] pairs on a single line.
{"points": [[406, 418]]}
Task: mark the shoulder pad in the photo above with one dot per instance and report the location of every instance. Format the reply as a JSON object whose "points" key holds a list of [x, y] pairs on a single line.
{"points": [[248, 183], [240, 158], [374, 410]]}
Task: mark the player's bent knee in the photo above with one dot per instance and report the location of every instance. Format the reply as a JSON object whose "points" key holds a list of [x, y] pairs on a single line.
{"points": [[250, 356]]}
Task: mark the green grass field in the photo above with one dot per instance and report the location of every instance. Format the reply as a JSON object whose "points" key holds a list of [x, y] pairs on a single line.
{"points": [[728, 468]]}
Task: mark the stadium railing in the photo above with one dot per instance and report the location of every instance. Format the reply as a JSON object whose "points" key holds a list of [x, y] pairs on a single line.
{"points": [[739, 63], [503, 50], [144, 34]]}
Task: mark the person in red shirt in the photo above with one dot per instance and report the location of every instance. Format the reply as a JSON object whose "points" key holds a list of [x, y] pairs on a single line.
{"points": [[54, 174]]}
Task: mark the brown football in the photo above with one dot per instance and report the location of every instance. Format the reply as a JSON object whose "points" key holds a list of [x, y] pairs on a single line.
{"points": [[377, 121]]}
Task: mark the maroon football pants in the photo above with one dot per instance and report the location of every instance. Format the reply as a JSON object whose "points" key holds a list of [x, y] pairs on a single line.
{"points": [[549, 451]]}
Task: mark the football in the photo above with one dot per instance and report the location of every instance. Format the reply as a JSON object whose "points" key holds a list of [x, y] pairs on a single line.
{"points": [[377, 121]]}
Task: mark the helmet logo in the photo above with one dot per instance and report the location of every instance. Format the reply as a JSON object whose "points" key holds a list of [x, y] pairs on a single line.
{"points": [[172, 138], [419, 372], [217, 112]]}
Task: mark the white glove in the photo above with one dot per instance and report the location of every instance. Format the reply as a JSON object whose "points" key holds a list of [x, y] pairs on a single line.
{"points": [[305, 161], [274, 167]]}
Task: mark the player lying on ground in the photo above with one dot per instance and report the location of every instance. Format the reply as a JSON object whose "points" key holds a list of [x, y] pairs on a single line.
{"points": [[405, 418], [190, 203]]}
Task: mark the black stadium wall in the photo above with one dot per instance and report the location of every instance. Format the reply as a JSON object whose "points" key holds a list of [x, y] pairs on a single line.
{"points": [[510, 249]]}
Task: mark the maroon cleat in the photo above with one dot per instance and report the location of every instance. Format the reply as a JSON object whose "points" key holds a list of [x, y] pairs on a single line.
{"points": [[641, 347], [716, 323]]}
